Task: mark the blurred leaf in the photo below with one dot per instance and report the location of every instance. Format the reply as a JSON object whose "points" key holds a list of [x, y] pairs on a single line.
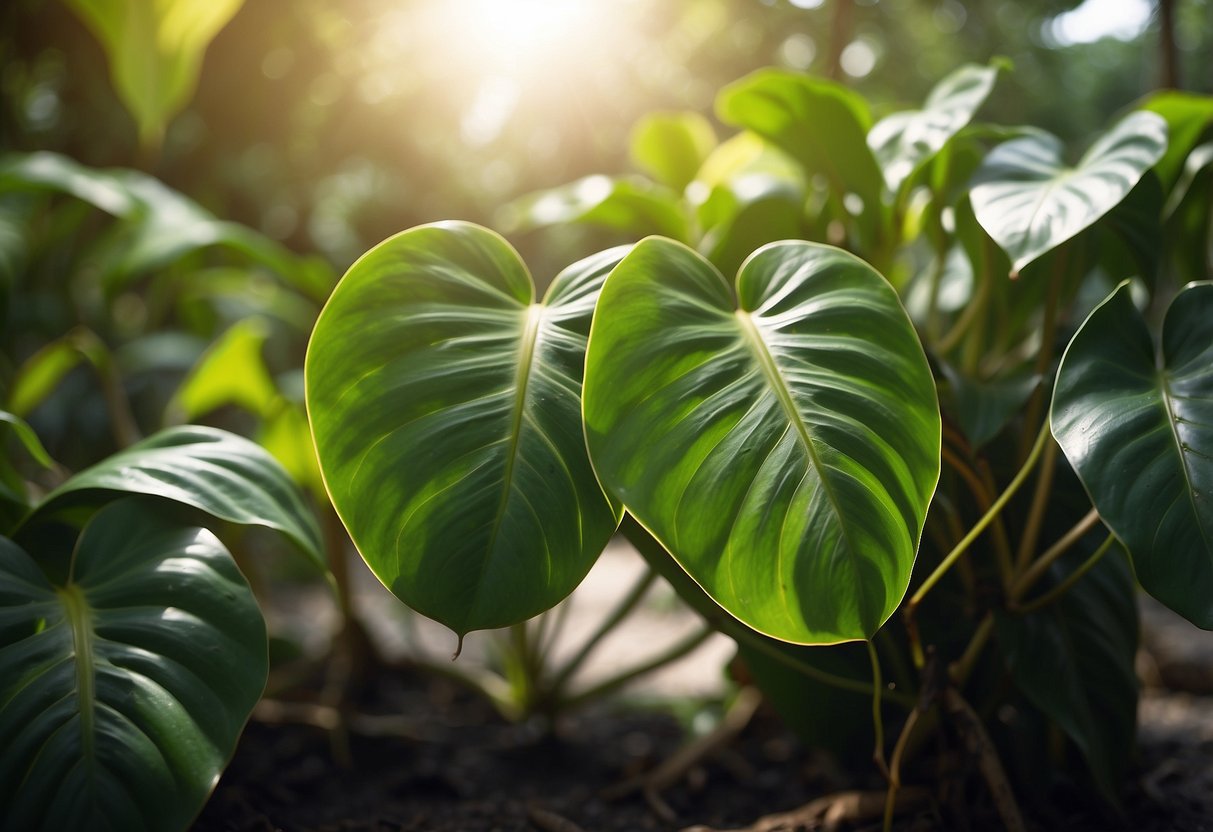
{"points": [[1135, 423], [903, 142], [670, 147], [632, 206], [445, 404], [1189, 224], [123, 691], [1030, 201], [984, 408], [219, 473], [783, 448], [288, 438], [1188, 118], [230, 372], [155, 49], [745, 155], [752, 224], [14, 499], [1074, 660], [43, 372]]}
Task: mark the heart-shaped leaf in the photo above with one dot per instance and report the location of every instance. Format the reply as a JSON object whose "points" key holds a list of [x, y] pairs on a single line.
{"points": [[123, 691], [1030, 201], [445, 403], [1074, 660], [1136, 423], [212, 470], [784, 448], [903, 142]]}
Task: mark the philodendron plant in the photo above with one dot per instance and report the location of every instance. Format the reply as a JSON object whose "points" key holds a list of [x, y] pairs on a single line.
{"points": [[837, 432], [132, 650]]}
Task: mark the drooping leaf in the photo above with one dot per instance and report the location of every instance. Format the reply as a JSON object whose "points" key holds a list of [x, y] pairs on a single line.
{"points": [[154, 49], [231, 371], [631, 206], [1135, 423], [14, 499], [214, 471], [670, 147], [42, 372], [905, 141], [1073, 659], [445, 404], [783, 448], [123, 691], [1030, 201]]}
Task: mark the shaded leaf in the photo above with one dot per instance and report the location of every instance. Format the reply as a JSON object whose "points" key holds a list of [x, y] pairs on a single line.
{"points": [[1189, 117]]}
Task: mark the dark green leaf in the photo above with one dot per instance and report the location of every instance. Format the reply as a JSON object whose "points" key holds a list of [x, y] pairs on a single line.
{"points": [[445, 403], [783, 449]]}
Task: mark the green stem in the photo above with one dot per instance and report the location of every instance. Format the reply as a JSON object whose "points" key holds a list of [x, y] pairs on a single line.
{"points": [[1040, 503], [1071, 579], [676, 652], [877, 719], [627, 604], [964, 665], [988, 518], [1063, 544]]}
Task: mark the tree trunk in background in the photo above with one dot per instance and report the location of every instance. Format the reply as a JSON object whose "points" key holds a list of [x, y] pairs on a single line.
{"points": [[1168, 53], [840, 36]]}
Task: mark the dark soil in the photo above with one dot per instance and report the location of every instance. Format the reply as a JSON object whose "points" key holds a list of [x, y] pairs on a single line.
{"points": [[453, 765]]}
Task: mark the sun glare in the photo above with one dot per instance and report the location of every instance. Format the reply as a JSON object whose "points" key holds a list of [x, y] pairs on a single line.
{"points": [[519, 36]]}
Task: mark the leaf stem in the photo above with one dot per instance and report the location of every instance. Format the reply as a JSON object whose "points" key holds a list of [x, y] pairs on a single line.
{"points": [[1071, 579], [1042, 564], [674, 653], [1002, 546], [877, 719], [963, 666], [1040, 503]]}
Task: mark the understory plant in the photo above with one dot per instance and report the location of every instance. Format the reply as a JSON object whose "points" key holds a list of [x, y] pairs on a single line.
{"points": [[908, 408]]}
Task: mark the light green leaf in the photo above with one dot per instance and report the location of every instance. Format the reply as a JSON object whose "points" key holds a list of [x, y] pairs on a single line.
{"points": [[1074, 660], [231, 372], [1189, 117], [783, 448], [630, 205], [1136, 422], [154, 49], [670, 147], [445, 404], [1030, 201], [217, 472], [903, 142], [287, 436], [123, 691]]}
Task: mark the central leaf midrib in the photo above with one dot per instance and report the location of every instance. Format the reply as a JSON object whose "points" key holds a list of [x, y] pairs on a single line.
{"points": [[776, 382], [79, 618], [1190, 488]]}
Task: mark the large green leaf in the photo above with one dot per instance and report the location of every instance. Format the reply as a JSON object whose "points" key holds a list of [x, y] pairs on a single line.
{"points": [[1030, 201], [123, 691], [445, 404], [1074, 660], [1136, 422], [155, 48], [784, 448], [212, 470], [821, 124], [905, 141]]}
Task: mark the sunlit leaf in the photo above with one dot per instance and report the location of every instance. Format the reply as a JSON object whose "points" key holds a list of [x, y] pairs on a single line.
{"points": [[904, 141], [631, 206], [670, 147], [287, 436], [231, 372], [782, 447], [1136, 422], [123, 690], [154, 49], [217, 472], [44, 371], [1189, 118], [445, 404], [1030, 201]]}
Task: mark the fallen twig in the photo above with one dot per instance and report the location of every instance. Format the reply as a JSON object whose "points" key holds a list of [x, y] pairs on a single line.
{"points": [[831, 811]]}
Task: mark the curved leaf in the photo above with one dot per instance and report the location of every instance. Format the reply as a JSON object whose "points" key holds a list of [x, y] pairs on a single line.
{"points": [[1189, 117], [630, 205], [1137, 425], [123, 691], [231, 371], [445, 404], [904, 141], [670, 147], [1030, 202], [212, 470], [783, 449]]}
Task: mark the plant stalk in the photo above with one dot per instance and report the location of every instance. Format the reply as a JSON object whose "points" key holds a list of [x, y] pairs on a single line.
{"points": [[673, 654], [1071, 579], [1042, 564]]}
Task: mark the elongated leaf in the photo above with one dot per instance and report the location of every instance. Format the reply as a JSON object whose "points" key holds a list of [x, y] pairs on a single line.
{"points": [[1137, 425], [14, 500], [155, 48], [123, 691], [212, 470], [1030, 202], [445, 404], [821, 124], [670, 147], [784, 448], [1074, 660], [905, 141]]}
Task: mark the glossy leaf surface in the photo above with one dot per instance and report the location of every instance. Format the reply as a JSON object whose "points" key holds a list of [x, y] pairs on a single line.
{"points": [[1030, 201], [1074, 660], [217, 472], [155, 48], [1136, 422], [123, 691], [445, 403], [904, 141], [784, 448]]}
